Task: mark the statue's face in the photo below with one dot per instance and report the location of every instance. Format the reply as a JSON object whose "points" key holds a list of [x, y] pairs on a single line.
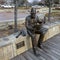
{"points": [[33, 15]]}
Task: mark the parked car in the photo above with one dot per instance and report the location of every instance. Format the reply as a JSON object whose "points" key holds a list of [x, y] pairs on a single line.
{"points": [[7, 6], [2, 6], [36, 6]]}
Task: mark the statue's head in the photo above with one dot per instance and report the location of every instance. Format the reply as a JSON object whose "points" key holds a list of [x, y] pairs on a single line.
{"points": [[33, 12]]}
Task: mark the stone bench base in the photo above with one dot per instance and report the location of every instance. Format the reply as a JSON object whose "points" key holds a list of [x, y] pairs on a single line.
{"points": [[22, 44]]}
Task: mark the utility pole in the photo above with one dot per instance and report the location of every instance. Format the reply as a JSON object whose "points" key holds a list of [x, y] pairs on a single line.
{"points": [[15, 16]]}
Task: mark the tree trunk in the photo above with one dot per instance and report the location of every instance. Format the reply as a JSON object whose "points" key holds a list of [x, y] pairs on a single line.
{"points": [[15, 15]]}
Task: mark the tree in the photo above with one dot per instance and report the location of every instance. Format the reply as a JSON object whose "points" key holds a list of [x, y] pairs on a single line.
{"points": [[2, 1], [21, 2], [49, 4], [15, 12], [40, 3], [15, 15], [35, 2]]}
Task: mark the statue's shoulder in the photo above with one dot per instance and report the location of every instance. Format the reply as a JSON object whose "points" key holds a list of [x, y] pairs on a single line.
{"points": [[37, 16], [28, 17]]}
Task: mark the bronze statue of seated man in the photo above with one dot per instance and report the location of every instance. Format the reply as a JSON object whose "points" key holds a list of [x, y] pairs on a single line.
{"points": [[35, 26]]}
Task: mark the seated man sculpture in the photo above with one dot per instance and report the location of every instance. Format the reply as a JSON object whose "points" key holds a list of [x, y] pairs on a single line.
{"points": [[35, 26]]}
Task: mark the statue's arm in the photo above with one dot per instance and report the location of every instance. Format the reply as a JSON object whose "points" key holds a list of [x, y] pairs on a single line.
{"points": [[38, 20], [27, 25]]}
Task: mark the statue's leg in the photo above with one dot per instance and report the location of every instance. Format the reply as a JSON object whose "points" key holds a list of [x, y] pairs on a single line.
{"points": [[33, 45], [33, 41], [40, 40], [41, 37]]}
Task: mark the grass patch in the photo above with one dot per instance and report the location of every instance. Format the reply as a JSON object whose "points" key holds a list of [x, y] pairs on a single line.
{"points": [[54, 14]]}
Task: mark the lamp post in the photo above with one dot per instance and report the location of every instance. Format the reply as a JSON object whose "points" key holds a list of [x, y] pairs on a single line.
{"points": [[15, 16]]}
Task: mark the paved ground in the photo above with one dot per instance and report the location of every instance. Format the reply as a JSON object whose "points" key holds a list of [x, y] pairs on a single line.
{"points": [[50, 51], [9, 15]]}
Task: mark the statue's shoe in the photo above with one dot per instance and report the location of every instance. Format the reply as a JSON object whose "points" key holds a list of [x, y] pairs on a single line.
{"points": [[40, 46], [37, 55]]}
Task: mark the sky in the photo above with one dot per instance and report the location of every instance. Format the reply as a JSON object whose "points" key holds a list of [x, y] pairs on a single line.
{"points": [[33, 0]]}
